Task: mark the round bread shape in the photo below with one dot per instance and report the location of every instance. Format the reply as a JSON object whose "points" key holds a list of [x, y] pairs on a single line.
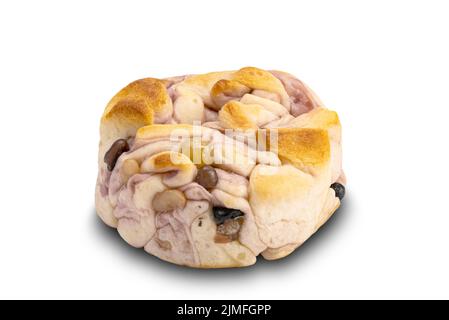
{"points": [[212, 170]]}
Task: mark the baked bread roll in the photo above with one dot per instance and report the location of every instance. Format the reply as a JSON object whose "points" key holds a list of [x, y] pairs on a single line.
{"points": [[211, 170]]}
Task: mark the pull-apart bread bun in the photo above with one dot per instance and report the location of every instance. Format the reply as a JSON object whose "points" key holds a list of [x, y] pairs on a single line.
{"points": [[211, 170]]}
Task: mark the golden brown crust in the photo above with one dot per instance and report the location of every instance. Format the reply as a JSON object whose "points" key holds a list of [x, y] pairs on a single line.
{"points": [[275, 184], [132, 109], [164, 161], [327, 120], [303, 147], [201, 85], [229, 87], [140, 103], [236, 115], [226, 90], [317, 118], [144, 99], [180, 168], [259, 79]]}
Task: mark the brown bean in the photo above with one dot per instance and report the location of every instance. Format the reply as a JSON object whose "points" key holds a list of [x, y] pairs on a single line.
{"points": [[207, 177], [115, 151], [169, 200], [230, 228]]}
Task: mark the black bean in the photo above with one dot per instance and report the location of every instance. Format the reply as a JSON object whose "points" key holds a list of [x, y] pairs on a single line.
{"points": [[114, 152], [339, 190], [207, 177], [221, 214]]}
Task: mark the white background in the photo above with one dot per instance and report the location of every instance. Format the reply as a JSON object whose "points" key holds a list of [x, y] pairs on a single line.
{"points": [[383, 65]]}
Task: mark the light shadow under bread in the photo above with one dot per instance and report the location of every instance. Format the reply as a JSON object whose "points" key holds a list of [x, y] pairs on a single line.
{"points": [[154, 265]]}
